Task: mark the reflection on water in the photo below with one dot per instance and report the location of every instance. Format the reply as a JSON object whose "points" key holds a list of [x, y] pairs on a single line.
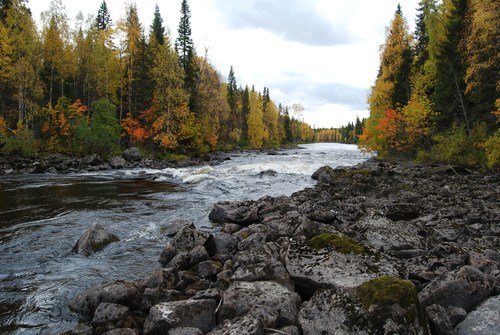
{"points": [[41, 217]]}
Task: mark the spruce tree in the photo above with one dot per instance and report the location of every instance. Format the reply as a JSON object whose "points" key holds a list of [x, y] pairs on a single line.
{"points": [[245, 110], [232, 89], [185, 47], [157, 28], [103, 20]]}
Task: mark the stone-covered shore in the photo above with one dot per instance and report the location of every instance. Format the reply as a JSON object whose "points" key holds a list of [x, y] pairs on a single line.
{"points": [[380, 248]]}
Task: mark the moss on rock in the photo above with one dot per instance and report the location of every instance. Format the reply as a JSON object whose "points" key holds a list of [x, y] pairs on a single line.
{"points": [[387, 291], [342, 244]]}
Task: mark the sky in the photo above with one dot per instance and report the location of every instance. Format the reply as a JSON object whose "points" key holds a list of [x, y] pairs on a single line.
{"points": [[323, 54]]}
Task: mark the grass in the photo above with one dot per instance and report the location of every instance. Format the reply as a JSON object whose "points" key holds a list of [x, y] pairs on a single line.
{"points": [[342, 244]]}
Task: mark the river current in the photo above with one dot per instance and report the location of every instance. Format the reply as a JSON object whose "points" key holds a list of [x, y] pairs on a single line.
{"points": [[42, 216]]}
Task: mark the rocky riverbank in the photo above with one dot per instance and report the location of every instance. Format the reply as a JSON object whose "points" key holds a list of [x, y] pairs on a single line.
{"points": [[380, 248], [130, 159]]}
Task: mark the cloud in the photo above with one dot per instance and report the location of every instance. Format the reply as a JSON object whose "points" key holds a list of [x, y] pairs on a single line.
{"points": [[315, 94], [293, 20]]}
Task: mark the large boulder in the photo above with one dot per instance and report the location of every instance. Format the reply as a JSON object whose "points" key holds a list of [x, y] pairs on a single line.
{"points": [[94, 239], [132, 155], [332, 261], [118, 292], [485, 320], [385, 305], [324, 174], [243, 297], [244, 325], [464, 288], [185, 313]]}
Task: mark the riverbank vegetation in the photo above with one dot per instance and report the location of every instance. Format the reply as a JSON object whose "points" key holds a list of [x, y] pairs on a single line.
{"points": [[101, 86], [436, 97], [346, 134]]}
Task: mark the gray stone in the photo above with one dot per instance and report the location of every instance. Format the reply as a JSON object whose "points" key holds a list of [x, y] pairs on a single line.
{"points": [[325, 268], [175, 226], [222, 244], [464, 288], [238, 213], [185, 331], [108, 316], [119, 292], [485, 320], [117, 162], [132, 155], [197, 255], [94, 239], [242, 297], [121, 331], [186, 313], [208, 269], [439, 320], [244, 325]]}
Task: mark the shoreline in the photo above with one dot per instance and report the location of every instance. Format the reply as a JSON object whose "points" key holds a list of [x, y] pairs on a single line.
{"points": [[65, 164], [410, 248]]}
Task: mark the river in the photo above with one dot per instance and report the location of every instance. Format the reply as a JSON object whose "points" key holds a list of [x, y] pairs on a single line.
{"points": [[41, 217]]}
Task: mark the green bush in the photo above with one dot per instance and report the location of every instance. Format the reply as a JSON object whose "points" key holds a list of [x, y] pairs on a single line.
{"points": [[22, 143], [458, 147], [100, 134], [492, 148]]}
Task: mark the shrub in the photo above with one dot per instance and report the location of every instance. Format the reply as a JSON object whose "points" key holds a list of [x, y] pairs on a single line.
{"points": [[22, 142], [492, 148]]}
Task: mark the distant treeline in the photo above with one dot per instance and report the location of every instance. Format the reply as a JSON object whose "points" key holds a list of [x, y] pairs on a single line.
{"points": [[436, 96], [347, 134], [100, 86]]}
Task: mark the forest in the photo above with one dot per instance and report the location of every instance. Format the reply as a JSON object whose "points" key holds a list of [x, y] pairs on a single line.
{"points": [[436, 97], [102, 86]]}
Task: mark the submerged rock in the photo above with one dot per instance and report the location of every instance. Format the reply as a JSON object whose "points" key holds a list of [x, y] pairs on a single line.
{"points": [[94, 239]]}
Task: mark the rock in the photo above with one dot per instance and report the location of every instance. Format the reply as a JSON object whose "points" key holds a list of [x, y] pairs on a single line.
{"points": [[387, 236], [81, 329], [92, 160], [485, 320], [439, 320], [108, 316], [179, 262], [51, 170], [293, 224], [324, 175], [132, 155], [185, 331], [197, 255], [230, 228], [247, 325], [464, 288], [186, 313], [117, 162], [348, 267], [208, 269], [402, 211], [94, 239], [270, 270], [385, 305], [238, 213], [242, 297], [289, 330], [118, 292], [174, 227], [184, 241], [222, 244], [121, 331], [268, 173]]}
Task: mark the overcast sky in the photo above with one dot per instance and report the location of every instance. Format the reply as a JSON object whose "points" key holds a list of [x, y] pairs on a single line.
{"points": [[323, 54]]}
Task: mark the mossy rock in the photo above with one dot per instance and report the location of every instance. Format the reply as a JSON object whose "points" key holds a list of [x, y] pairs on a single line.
{"points": [[388, 291], [342, 244]]}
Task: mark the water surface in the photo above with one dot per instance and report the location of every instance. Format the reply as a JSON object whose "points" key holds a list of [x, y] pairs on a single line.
{"points": [[41, 217]]}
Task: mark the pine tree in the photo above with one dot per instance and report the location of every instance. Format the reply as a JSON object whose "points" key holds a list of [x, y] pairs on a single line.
{"points": [[157, 28], [185, 46], [482, 58], [245, 110], [449, 99], [103, 20]]}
